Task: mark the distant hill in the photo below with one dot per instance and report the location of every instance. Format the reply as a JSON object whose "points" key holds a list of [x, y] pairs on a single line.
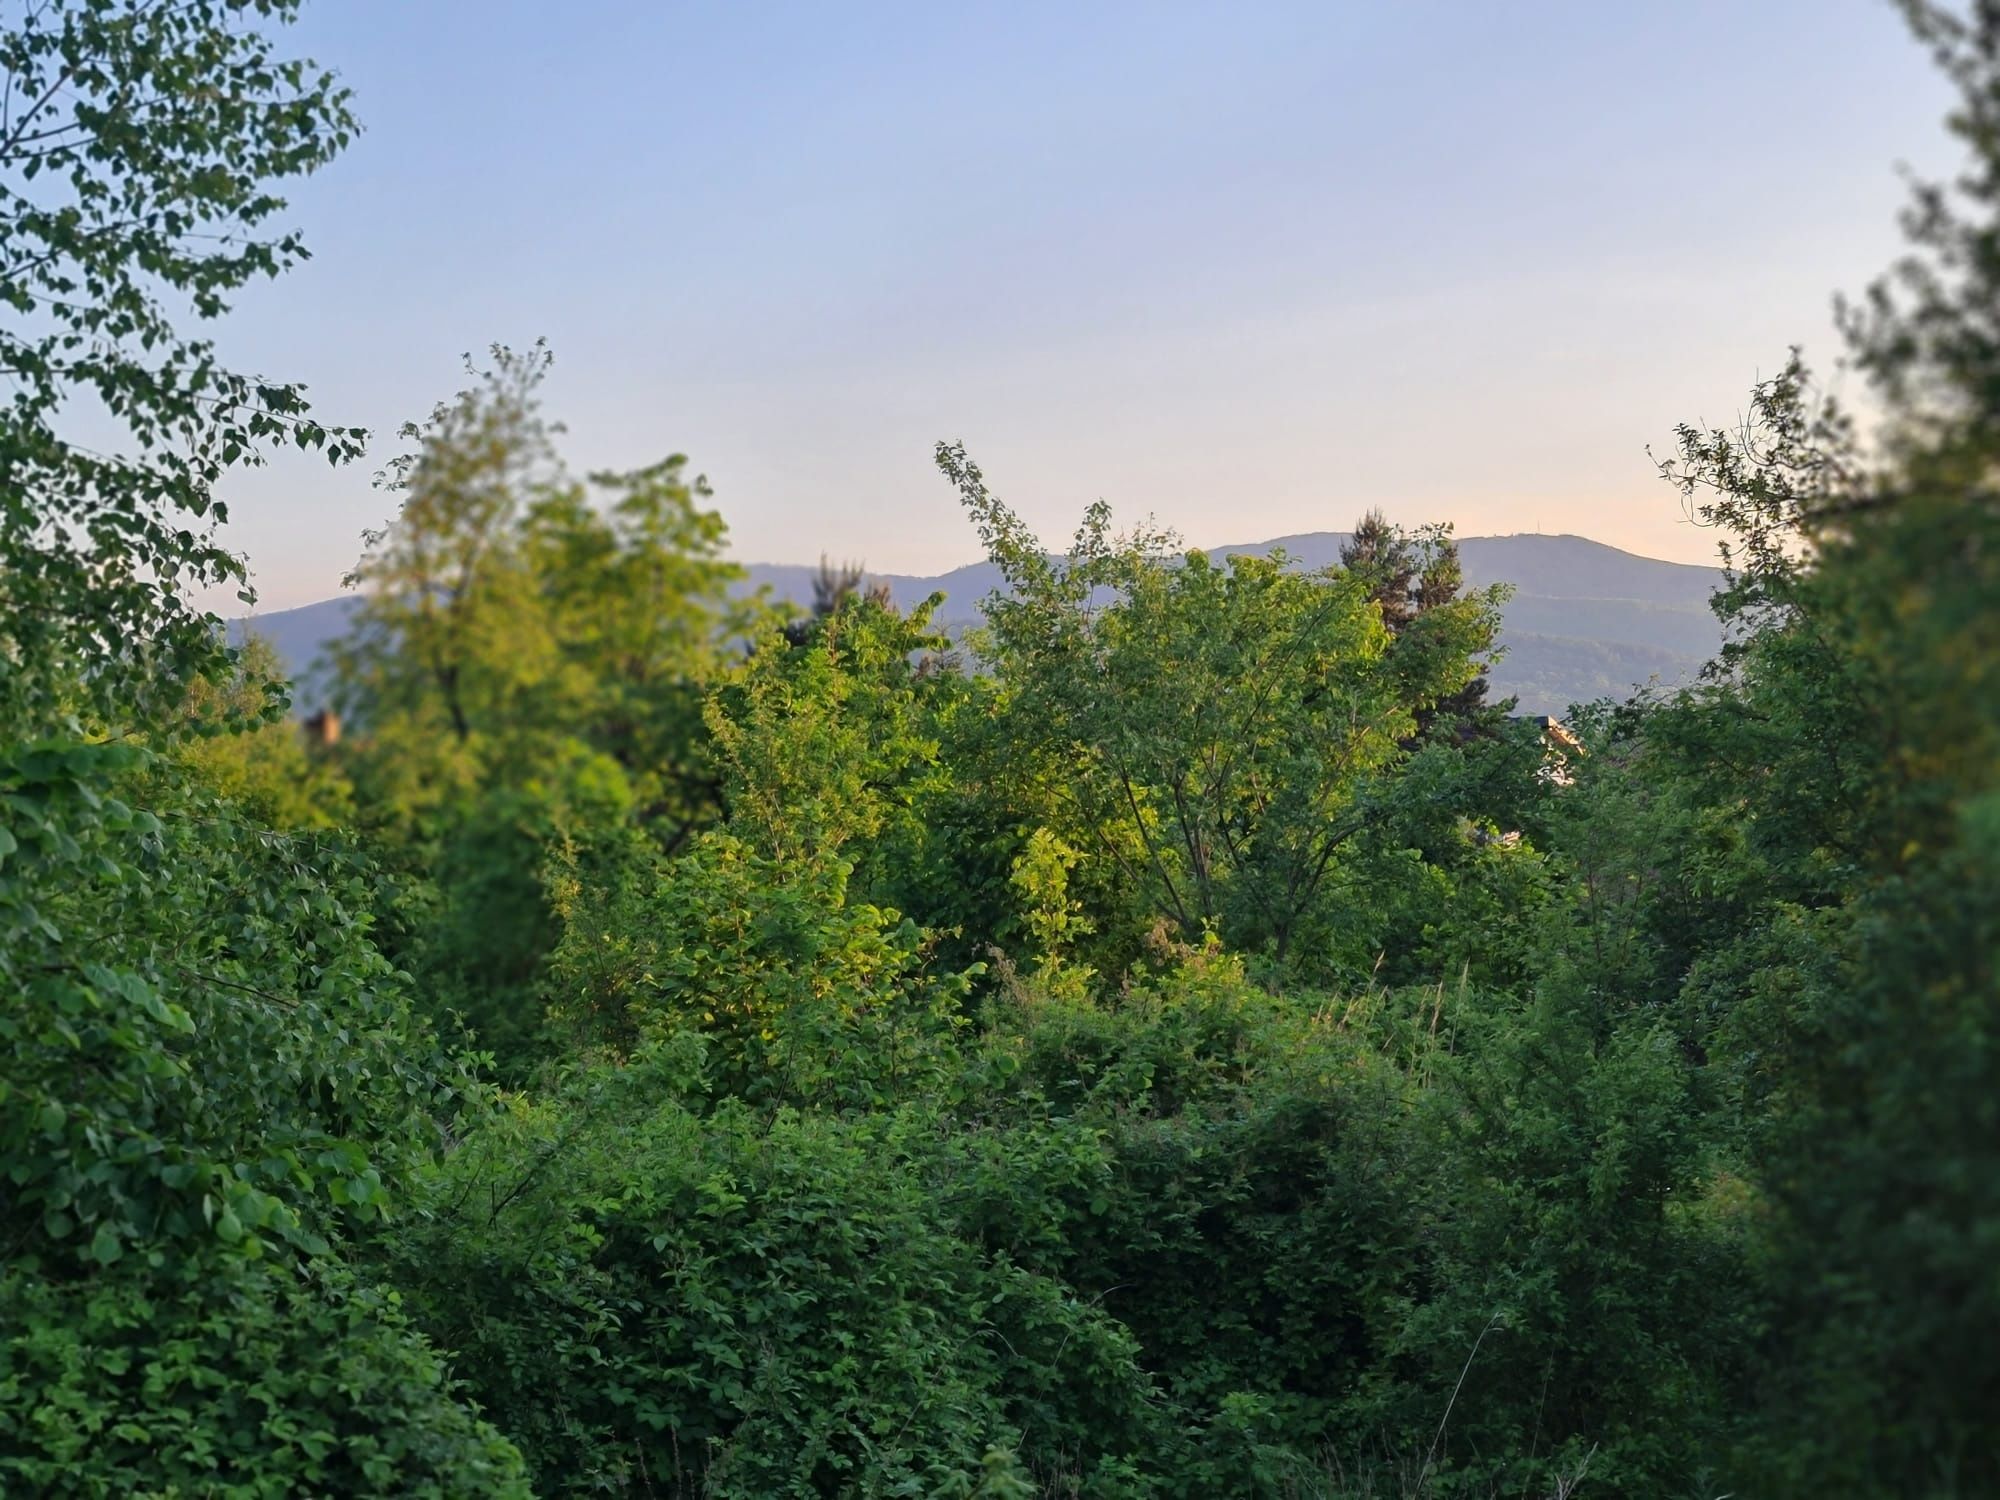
{"points": [[1586, 621], [298, 636]]}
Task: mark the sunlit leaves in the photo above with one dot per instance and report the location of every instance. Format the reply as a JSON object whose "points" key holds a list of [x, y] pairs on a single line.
{"points": [[1209, 726]]}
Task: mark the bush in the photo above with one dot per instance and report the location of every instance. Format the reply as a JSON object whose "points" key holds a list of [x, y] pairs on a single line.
{"points": [[735, 1302]]}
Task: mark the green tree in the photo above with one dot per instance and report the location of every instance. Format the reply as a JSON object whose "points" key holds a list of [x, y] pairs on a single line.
{"points": [[212, 1090], [827, 742], [1844, 765], [832, 586], [645, 624], [1385, 557], [449, 633], [210, 1084], [1407, 574], [141, 146], [761, 935], [1211, 727], [511, 615], [527, 664]]}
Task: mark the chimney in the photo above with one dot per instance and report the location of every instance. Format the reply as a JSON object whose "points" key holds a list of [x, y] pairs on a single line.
{"points": [[323, 728]]}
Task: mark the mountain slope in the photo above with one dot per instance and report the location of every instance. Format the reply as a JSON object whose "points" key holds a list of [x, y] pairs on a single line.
{"points": [[1586, 621]]}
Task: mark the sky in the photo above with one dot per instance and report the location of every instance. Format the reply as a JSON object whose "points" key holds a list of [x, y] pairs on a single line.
{"points": [[1248, 269]]}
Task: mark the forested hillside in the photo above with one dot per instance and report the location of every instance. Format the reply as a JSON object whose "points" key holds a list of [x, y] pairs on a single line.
{"points": [[1175, 1036]]}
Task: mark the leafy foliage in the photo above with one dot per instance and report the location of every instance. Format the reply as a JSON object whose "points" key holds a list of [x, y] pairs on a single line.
{"points": [[1182, 1044], [210, 1083], [140, 145], [1210, 727], [528, 661]]}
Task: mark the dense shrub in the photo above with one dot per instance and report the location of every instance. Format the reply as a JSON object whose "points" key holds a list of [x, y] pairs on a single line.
{"points": [[213, 1086], [732, 1301], [212, 1374]]}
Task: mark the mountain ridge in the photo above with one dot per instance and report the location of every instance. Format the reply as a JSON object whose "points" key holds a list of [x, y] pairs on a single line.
{"points": [[1587, 619]]}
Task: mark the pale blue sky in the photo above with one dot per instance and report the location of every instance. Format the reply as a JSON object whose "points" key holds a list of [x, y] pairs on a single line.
{"points": [[1248, 267]]}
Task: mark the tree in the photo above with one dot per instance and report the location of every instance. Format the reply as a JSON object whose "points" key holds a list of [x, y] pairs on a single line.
{"points": [[449, 631], [210, 1084], [756, 934], [1846, 754], [832, 586], [527, 664], [645, 622], [1384, 557], [509, 611], [826, 743], [140, 149], [1211, 725], [1408, 574]]}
